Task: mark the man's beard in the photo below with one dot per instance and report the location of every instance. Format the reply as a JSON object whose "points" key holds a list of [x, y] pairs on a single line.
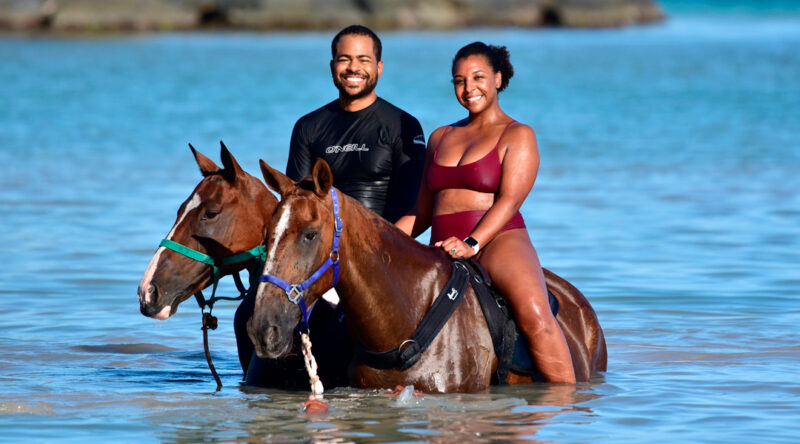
{"points": [[369, 85]]}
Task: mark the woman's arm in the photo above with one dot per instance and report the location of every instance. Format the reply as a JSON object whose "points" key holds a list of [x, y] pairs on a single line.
{"points": [[520, 165], [416, 222]]}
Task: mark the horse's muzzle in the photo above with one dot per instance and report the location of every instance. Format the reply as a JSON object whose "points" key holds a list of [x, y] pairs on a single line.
{"points": [[268, 340], [149, 303]]}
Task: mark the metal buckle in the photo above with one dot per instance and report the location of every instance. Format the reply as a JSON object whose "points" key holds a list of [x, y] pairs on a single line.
{"points": [[297, 292], [334, 256], [405, 343]]}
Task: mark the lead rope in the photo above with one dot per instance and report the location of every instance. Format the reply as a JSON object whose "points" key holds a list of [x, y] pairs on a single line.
{"points": [[210, 321], [311, 367]]}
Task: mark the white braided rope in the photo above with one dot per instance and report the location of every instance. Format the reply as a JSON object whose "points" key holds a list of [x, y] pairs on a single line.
{"points": [[311, 366]]}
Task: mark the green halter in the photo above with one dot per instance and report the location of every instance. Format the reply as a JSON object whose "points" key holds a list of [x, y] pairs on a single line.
{"points": [[216, 264]]}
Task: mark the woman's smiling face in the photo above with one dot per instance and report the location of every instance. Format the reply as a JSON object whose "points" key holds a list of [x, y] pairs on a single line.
{"points": [[475, 83]]}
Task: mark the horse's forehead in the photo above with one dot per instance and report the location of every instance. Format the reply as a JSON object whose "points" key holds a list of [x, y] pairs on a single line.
{"points": [[304, 204], [214, 188]]}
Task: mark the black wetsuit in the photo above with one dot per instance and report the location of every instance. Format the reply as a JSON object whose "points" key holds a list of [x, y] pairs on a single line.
{"points": [[376, 154]]}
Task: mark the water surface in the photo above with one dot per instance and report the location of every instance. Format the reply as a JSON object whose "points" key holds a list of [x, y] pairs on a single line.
{"points": [[667, 193]]}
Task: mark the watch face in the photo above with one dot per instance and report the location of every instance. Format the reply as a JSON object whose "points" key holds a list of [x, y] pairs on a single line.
{"points": [[471, 242]]}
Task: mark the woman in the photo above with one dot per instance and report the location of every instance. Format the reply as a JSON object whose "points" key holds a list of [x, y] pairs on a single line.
{"points": [[478, 173]]}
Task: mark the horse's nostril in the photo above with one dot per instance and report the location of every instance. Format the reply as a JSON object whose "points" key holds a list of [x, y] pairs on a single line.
{"points": [[147, 299], [271, 334]]}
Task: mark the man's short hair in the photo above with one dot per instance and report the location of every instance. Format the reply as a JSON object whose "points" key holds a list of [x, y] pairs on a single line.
{"points": [[358, 30]]}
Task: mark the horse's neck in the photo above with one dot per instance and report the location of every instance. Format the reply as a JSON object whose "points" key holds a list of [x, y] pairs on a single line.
{"points": [[387, 278], [265, 201], [261, 213], [253, 220]]}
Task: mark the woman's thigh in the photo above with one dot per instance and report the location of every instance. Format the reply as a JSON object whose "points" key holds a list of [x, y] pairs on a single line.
{"points": [[513, 265]]}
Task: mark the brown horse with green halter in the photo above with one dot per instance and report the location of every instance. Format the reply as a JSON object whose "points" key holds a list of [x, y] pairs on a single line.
{"points": [[386, 282], [219, 231]]}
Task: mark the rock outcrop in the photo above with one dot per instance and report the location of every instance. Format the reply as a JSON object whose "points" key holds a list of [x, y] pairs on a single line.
{"points": [[155, 15]]}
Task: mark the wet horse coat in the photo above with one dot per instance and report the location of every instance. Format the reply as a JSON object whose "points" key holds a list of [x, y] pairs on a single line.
{"points": [[386, 284]]}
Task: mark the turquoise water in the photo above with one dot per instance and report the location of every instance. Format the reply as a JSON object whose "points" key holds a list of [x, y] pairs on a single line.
{"points": [[667, 193]]}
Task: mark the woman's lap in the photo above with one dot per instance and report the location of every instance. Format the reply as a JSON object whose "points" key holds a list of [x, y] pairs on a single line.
{"points": [[512, 263]]}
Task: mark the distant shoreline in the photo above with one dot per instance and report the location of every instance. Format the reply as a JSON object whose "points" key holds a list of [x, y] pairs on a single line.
{"points": [[90, 17]]}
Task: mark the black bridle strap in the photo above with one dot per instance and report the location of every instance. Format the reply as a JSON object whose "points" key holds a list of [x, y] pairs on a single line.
{"points": [[409, 351]]}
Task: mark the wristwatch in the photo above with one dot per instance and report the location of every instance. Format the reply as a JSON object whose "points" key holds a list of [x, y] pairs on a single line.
{"points": [[472, 243]]}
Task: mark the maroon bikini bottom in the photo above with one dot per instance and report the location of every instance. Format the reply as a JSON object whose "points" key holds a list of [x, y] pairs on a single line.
{"points": [[462, 223]]}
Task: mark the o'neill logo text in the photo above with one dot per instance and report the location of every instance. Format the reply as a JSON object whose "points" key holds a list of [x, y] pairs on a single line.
{"points": [[350, 147]]}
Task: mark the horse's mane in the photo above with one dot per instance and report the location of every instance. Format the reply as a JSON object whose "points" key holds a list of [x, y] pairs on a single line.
{"points": [[383, 226], [388, 232], [306, 183]]}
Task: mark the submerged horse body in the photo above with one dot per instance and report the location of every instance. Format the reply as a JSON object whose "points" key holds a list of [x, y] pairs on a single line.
{"points": [[226, 216], [386, 283]]}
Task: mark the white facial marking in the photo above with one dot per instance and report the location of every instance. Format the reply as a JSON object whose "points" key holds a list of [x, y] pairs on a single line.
{"points": [[193, 203], [280, 230], [144, 285]]}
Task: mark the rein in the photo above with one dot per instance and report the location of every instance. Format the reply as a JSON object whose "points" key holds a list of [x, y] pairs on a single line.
{"points": [[216, 265], [295, 293]]}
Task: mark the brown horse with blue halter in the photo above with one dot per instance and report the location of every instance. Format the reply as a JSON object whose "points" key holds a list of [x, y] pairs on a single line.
{"points": [[386, 282]]}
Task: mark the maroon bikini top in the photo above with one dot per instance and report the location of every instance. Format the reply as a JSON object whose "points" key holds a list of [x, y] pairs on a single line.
{"points": [[482, 176]]}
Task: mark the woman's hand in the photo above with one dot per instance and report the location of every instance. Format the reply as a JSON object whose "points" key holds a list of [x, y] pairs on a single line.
{"points": [[456, 248]]}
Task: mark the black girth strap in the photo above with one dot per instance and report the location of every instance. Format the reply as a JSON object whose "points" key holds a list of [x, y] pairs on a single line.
{"points": [[409, 351], [502, 327], [500, 322]]}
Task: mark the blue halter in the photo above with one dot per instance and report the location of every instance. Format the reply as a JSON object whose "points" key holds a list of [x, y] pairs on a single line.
{"points": [[295, 292]]}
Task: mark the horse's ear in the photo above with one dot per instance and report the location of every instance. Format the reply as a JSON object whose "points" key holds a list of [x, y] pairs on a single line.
{"points": [[231, 168], [276, 180], [323, 177], [207, 166]]}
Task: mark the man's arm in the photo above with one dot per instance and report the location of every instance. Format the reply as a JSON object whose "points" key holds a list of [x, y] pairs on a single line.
{"points": [[408, 162], [300, 162]]}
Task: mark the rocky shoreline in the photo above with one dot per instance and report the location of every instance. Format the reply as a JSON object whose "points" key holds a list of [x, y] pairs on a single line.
{"points": [[98, 16]]}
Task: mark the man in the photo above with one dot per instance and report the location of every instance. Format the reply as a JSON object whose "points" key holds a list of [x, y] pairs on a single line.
{"points": [[376, 152]]}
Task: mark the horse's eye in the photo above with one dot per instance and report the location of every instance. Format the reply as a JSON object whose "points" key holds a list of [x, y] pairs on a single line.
{"points": [[209, 215], [311, 235]]}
